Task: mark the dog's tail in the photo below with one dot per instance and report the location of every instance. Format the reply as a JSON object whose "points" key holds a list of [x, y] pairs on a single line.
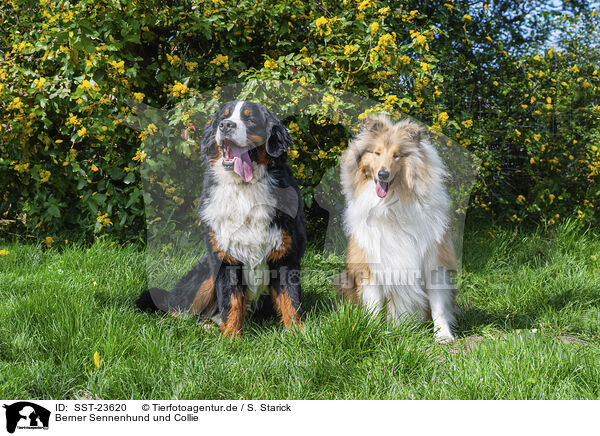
{"points": [[195, 292], [152, 300]]}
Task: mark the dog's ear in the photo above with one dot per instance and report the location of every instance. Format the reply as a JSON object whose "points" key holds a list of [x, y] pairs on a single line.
{"points": [[416, 131], [278, 138], [208, 142], [373, 124]]}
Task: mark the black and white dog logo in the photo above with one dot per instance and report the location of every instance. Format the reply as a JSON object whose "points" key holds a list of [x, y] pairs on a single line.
{"points": [[26, 415]]}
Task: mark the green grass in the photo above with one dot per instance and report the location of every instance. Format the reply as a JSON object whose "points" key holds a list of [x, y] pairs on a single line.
{"points": [[520, 296]]}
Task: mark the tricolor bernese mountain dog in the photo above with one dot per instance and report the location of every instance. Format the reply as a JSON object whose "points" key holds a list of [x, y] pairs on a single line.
{"points": [[251, 212]]}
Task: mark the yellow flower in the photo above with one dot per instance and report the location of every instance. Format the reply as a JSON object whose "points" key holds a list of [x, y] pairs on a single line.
{"points": [[48, 240], [467, 17], [118, 66], [323, 26], [349, 49], [495, 82], [81, 132], [391, 100], [179, 89], [293, 154], [16, 104], [384, 11], [420, 39], [467, 123], [174, 60], [443, 118], [39, 83], [44, 176], [374, 28], [328, 99], [537, 58], [404, 59], [575, 69], [517, 132], [551, 197], [4, 252], [21, 168], [271, 64], [221, 60], [191, 66], [139, 156], [364, 5], [537, 136], [138, 96], [86, 85], [385, 40], [94, 168], [97, 359], [521, 199], [103, 218]]}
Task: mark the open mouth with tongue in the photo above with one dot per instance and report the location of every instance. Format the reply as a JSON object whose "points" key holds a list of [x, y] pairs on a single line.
{"points": [[381, 188], [237, 159]]}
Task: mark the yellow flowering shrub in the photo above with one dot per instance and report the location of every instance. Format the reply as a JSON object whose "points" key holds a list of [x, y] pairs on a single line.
{"points": [[70, 73]]}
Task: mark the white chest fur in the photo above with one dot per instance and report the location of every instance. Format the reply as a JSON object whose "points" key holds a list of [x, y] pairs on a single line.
{"points": [[240, 215], [396, 239]]}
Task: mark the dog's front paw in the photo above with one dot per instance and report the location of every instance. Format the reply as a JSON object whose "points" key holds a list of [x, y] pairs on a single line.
{"points": [[444, 337]]}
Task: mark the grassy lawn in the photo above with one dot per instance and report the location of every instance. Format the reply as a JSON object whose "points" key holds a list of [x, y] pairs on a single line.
{"points": [[530, 328]]}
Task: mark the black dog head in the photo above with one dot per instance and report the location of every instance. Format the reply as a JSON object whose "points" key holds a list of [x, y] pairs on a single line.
{"points": [[243, 132]]}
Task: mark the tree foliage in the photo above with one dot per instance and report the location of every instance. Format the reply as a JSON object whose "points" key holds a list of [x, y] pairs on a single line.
{"points": [[515, 82]]}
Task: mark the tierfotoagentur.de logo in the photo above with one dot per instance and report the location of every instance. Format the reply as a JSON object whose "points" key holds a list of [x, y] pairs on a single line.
{"points": [[26, 416]]}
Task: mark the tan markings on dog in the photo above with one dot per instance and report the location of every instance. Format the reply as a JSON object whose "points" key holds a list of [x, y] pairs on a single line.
{"points": [[235, 319], [278, 253], [356, 274], [246, 112], [222, 255], [227, 112], [256, 139], [285, 309], [214, 155], [205, 296], [427, 313], [447, 258], [263, 157]]}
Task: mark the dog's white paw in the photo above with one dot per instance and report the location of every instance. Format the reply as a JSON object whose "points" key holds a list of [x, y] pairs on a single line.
{"points": [[444, 337]]}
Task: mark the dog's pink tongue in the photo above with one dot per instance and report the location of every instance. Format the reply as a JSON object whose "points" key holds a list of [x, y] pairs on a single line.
{"points": [[241, 163], [382, 189]]}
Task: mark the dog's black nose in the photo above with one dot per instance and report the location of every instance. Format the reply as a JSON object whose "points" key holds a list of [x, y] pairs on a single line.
{"points": [[227, 125], [383, 175]]}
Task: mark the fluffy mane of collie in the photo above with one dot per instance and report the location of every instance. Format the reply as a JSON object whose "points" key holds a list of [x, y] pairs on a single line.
{"points": [[400, 255]]}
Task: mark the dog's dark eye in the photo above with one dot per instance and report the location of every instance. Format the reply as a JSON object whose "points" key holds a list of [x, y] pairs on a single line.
{"points": [[377, 153]]}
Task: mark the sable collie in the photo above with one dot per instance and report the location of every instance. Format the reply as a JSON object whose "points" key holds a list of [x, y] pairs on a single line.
{"points": [[400, 255]]}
